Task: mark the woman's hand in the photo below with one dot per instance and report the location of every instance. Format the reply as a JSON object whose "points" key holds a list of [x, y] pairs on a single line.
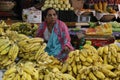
{"points": [[66, 50]]}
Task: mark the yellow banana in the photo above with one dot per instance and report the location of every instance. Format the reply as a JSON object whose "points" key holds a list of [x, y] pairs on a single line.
{"points": [[105, 58], [113, 59], [47, 77], [92, 76], [75, 69], [83, 76], [82, 58], [4, 46], [40, 50], [9, 71], [64, 68], [89, 59], [5, 51], [106, 49], [100, 51], [11, 51], [108, 72], [108, 66], [36, 40], [118, 57], [15, 52], [99, 74]]}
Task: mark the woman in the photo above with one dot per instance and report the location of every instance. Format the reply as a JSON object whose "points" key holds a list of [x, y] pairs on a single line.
{"points": [[55, 32]]}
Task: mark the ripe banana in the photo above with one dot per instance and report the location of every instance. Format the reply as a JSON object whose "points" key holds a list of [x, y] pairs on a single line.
{"points": [[5, 51], [9, 71]]}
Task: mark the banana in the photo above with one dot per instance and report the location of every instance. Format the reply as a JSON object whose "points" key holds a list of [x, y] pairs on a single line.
{"points": [[69, 77], [10, 76], [89, 59], [40, 50], [71, 53], [84, 52], [10, 71], [11, 51], [5, 51], [4, 60], [15, 52], [4, 46], [47, 77], [99, 74], [108, 66], [113, 59], [100, 51], [105, 50], [82, 58], [108, 72], [3, 41], [17, 77], [75, 69], [27, 70], [92, 76], [105, 59], [64, 69], [118, 57], [83, 76], [36, 40]]}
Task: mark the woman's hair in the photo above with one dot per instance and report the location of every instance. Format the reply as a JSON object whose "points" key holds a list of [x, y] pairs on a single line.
{"points": [[46, 11]]}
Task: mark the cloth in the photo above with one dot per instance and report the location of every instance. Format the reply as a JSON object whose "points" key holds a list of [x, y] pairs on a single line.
{"points": [[59, 38], [47, 34]]}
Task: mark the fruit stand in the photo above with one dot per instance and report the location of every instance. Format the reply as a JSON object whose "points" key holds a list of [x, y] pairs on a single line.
{"points": [[97, 46]]}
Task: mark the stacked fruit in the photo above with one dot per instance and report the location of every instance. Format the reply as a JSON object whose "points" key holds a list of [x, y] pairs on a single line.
{"points": [[110, 54], [58, 4], [8, 52], [102, 6], [21, 72], [102, 72], [24, 28], [79, 58]]}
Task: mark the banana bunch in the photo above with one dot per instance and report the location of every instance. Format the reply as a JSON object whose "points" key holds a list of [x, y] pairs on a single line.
{"points": [[117, 72], [110, 54], [76, 59], [55, 74], [98, 72], [21, 72], [8, 52], [24, 28]]}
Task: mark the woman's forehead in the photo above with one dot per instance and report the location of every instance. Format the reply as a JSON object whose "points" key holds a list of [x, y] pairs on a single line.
{"points": [[51, 11]]}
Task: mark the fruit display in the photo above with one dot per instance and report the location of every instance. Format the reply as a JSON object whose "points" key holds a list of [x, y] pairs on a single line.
{"points": [[115, 26], [57, 4], [24, 28], [103, 29], [24, 57], [102, 7]]}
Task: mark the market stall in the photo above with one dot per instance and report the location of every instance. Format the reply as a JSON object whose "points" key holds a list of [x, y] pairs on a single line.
{"points": [[96, 54]]}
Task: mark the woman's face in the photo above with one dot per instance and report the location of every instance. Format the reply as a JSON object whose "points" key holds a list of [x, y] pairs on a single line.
{"points": [[51, 16]]}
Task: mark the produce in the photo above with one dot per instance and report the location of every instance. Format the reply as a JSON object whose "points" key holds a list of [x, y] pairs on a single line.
{"points": [[58, 5]]}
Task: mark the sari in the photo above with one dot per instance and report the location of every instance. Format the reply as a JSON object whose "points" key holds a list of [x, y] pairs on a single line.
{"points": [[59, 38]]}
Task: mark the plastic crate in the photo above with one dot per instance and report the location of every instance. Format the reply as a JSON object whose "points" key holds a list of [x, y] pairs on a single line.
{"points": [[100, 40]]}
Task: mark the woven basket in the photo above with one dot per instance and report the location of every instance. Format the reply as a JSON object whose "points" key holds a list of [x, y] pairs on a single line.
{"points": [[6, 5]]}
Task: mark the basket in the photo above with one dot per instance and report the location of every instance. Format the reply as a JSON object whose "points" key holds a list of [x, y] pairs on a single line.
{"points": [[107, 18], [6, 5]]}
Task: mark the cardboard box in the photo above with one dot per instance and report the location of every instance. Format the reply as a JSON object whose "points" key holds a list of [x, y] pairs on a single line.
{"points": [[77, 4], [32, 15]]}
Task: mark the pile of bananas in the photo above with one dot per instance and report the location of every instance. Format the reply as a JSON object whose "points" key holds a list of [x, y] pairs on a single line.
{"points": [[24, 28], [110, 54], [55, 74], [102, 7], [98, 72], [21, 72], [85, 57], [8, 52]]}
